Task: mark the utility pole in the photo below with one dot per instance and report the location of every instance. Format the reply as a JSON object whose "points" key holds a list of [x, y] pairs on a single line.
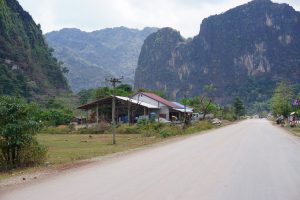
{"points": [[114, 82], [185, 117]]}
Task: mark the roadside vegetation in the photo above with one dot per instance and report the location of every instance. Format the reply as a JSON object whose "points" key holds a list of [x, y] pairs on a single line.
{"points": [[69, 146], [284, 112], [40, 134], [19, 122]]}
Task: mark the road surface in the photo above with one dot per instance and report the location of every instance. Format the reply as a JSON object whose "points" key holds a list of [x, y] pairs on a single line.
{"points": [[252, 160]]}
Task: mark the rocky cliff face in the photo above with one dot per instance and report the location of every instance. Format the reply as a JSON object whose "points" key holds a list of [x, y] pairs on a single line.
{"points": [[27, 67], [90, 57], [242, 52]]}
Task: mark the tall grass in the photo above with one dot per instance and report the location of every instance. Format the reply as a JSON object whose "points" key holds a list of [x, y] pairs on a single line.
{"points": [[163, 130]]}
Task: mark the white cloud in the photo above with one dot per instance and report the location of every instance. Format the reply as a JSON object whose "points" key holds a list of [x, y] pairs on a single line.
{"points": [[183, 15]]}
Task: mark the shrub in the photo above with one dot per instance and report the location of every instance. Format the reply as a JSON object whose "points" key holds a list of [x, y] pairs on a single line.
{"points": [[56, 117], [170, 130], [199, 126], [128, 129], [100, 128], [18, 124], [33, 154], [57, 130]]}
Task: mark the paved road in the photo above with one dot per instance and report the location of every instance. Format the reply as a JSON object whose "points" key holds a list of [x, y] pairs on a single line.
{"points": [[252, 160]]}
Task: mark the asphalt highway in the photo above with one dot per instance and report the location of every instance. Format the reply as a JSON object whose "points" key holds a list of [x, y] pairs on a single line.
{"points": [[251, 160]]}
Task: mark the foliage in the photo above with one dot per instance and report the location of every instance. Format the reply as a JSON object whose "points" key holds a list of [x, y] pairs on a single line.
{"points": [[12, 83], [33, 154], [239, 108], [58, 110], [127, 129], [156, 129], [281, 100], [228, 113], [259, 107], [101, 92], [198, 126], [169, 131], [57, 130], [18, 124], [200, 104], [85, 95], [56, 117], [27, 66]]}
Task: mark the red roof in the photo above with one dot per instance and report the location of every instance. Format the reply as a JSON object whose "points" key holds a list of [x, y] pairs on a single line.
{"points": [[160, 99]]}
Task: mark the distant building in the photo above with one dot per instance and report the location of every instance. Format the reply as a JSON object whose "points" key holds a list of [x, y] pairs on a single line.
{"points": [[167, 109], [140, 105]]}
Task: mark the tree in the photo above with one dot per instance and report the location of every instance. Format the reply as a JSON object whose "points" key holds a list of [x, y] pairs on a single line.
{"points": [[85, 95], [121, 90], [281, 100], [206, 102], [125, 87], [56, 117], [102, 92], [18, 124], [239, 108]]}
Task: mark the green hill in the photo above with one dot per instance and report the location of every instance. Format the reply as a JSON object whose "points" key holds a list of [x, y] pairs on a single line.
{"points": [[27, 67]]}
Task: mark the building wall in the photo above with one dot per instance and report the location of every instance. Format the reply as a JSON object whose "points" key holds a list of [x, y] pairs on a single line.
{"points": [[164, 109]]}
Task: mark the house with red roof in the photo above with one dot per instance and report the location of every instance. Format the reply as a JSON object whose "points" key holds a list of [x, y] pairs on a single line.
{"points": [[166, 110]]}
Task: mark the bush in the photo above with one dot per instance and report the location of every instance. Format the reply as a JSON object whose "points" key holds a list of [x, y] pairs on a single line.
{"points": [[57, 130], [230, 117], [18, 124], [170, 130], [100, 128], [33, 154], [128, 129], [56, 117], [199, 126]]}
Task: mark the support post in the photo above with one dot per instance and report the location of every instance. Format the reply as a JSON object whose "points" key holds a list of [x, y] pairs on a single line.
{"points": [[114, 81], [113, 116], [158, 111], [97, 113]]}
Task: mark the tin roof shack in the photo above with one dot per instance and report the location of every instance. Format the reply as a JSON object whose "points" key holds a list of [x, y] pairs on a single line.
{"points": [[127, 109], [167, 110]]}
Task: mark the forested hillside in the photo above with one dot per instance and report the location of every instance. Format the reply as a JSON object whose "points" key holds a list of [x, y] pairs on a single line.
{"points": [[93, 56], [27, 67]]}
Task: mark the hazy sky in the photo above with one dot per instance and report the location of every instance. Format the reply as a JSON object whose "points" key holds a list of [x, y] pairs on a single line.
{"points": [[88, 15]]}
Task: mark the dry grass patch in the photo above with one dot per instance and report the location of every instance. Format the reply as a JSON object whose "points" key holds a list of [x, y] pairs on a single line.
{"points": [[65, 148]]}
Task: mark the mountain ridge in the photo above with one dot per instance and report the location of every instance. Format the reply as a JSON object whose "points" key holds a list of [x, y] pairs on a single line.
{"points": [[93, 56], [243, 52]]}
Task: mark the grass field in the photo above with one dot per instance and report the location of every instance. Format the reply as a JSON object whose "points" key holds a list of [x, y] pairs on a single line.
{"points": [[67, 148], [295, 130]]}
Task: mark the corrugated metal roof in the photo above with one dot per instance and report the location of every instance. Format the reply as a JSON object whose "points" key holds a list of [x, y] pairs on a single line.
{"points": [[185, 110], [108, 100], [182, 106], [147, 105], [160, 99]]}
